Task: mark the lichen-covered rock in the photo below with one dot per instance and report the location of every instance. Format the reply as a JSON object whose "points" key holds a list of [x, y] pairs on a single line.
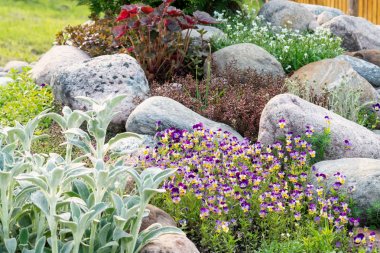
{"points": [[299, 113], [362, 176], [246, 56], [16, 65], [333, 73], [369, 71], [357, 33], [99, 78], [171, 114], [170, 243], [287, 14], [56, 58]]}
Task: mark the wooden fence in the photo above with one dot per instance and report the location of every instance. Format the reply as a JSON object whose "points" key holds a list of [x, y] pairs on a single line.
{"points": [[369, 9]]}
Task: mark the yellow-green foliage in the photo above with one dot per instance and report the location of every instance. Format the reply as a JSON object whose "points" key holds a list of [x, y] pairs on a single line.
{"points": [[22, 100]]}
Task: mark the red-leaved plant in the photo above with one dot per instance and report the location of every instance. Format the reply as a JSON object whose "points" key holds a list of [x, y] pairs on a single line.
{"points": [[155, 36]]}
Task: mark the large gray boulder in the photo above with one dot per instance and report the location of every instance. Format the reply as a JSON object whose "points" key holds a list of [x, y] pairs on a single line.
{"points": [[246, 56], [325, 17], [157, 215], [99, 78], [288, 14], [16, 65], [56, 58], [362, 176], [357, 33], [299, 113], [331, 74], [209, 33], [369, 71], [171, 114], [319, 9], [369, 55], [170, 243]]}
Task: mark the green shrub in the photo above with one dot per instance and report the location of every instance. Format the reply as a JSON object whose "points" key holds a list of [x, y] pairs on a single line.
{"points": [[95, 38], [108, 7], [22, 100], [292, 49], [111, 7]]}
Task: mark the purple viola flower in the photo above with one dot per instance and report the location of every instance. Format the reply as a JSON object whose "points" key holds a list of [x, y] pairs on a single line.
{"points": [[158, 124], [43, 85], [328, 119], [376, 107], [198, 126], [337, 185], [263, 213], [243, 184], [354, 221], [282, 123], [245, 206], [359, 238], [204, 213], [347, 144]]}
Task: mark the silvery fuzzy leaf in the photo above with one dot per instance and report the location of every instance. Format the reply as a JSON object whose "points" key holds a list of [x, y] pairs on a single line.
{"points": [[40, 245], [145, 238], [33, 179], [103, 233], [149, 193], [39, 200], [11, 245], [119, 234], [67, 247], [105, 248]]}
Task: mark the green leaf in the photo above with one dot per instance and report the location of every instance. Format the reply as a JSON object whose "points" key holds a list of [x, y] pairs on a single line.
{"points": [[81, 189], [105, 248], [67, 247], [40, 245], [119, 233], [56, 177], [5, 179], [150, 192], [103, 234], [33, 179], [11, 245], [24, 236], [145, 238], [39, 200]]}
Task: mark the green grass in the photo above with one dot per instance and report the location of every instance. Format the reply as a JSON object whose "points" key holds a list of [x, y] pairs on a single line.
{"points": [[28, 27]]}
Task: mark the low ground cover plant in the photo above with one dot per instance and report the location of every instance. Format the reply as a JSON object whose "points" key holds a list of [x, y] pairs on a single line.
{"points": [[343, 99], [291, 48], [51, 203], [227, 99], [234, 196], [22, 100]]}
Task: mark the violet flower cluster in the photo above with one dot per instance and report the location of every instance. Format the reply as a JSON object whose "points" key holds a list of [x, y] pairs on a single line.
{"points": [[226, 175]]}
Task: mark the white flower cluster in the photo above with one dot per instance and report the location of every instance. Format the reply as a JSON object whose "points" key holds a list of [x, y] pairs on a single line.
{"points": [[291, 47]]}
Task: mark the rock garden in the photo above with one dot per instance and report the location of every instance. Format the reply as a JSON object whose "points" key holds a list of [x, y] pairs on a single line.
{"points": [[194, 127]]}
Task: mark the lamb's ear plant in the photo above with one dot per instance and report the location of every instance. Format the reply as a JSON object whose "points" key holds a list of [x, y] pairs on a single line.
{"points": [[56, 204]]}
